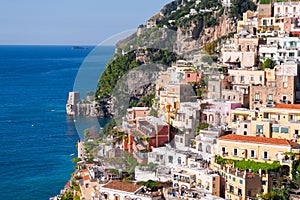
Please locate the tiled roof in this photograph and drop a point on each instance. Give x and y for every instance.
(288, 106)
(121, 186)
(257, 139)
(86, 178)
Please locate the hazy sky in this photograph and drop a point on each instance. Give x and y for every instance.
(71, 21)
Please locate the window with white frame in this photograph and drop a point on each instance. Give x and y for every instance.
(252, 153)
(265, 155)
(235, 151)
(256, 97)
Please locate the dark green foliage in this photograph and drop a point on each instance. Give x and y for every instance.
(109, 127)
(202, 126)
(265, 1)
(146, 101)
(250, 164)
(272, 196)
(201, 19)
(152, 185)
(115, 69)
(241, 6)
(268, 63)
(120, 65)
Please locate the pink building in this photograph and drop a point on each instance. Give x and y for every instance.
(191, 77)
(217, 112)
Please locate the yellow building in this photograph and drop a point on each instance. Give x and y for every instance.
(281, 121)
(257, 148)
(171, 96)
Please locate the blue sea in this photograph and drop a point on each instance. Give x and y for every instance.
(37, 138)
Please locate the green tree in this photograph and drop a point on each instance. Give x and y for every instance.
(268, 63)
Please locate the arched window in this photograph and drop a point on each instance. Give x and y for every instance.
(208, 149)
(200, 146)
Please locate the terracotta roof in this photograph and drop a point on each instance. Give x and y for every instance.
(288, 106)
(121, 186)
(257, 139)
(86, 178)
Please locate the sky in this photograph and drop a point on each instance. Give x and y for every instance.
(72, 22)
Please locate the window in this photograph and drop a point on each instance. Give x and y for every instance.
(265, 22)
(231, 189)
(188, 75)
(245, 125)
(208, 149)
(240, 193)
(214, 88)
(170, 159)
(235, 151)
(263, 182)
(291, 54)
(284, 97)
(270, 97)
(181, 140)
(200, 147)
(292, 117)
(232, 78)
(259, 129)
(179, 160)
(260, 78)
(233, 178)
(275, 129)
(223, 150)
(245, 133)
(252, 78)
(241, 181)
(284, 130)
(252, 153)
(242, 78)
(265, 154)
(266, 115)
(256, 97)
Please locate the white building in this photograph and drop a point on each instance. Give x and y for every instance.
(281, 49)
(286, 9)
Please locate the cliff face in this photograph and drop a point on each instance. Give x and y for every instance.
(188, 39)
(181, 27)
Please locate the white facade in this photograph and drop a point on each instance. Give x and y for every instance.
(281, 49)
(169, 157)
(286, 9)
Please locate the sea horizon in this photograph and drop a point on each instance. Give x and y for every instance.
(38, 139)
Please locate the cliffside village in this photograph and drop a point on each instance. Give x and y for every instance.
(238, 141)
